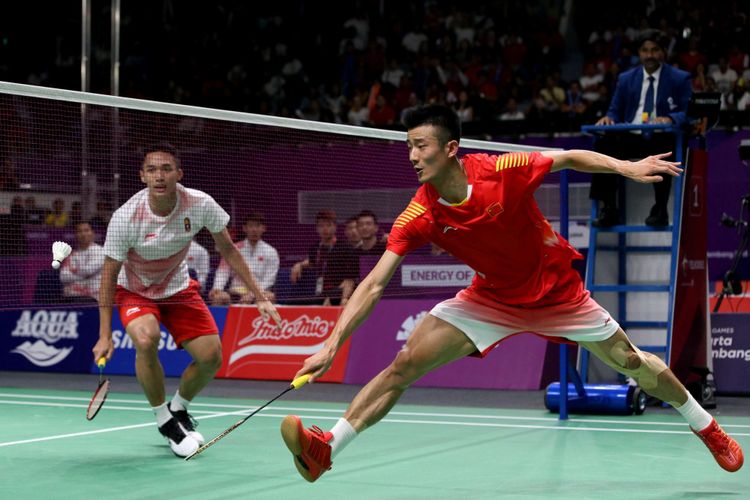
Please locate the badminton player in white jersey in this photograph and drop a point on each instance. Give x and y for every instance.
(146, 276)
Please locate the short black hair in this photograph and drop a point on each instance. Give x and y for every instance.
(437, 115)
(653, 35)
(368, 213)
(256, 217)
(163, 147)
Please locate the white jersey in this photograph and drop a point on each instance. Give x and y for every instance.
(153, 248)
(81, 272)
(198, 260)
(263, 261)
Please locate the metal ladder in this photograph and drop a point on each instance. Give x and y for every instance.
(622, 287)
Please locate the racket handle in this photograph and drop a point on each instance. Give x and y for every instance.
(300, 381)
(102, 362)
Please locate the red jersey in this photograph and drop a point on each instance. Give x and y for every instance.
(498, 231)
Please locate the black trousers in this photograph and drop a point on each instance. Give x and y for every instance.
(630, 146)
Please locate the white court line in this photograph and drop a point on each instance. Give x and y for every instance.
(245, 409)
(318, 417)
(387, 420)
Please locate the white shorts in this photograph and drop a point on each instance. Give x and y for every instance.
(580, 321)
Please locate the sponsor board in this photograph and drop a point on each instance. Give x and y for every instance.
(730, 352)
(254, 348)
(49, 339)
(447, 275)
(60, 340)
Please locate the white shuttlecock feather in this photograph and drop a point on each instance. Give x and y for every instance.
(60, 250)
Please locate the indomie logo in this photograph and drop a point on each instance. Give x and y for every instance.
(303, 326)
(49, 326)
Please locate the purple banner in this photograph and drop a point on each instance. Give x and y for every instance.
(730, 350)
(517, 364)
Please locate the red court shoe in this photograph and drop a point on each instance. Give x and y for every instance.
(726, 451)
(312, 453)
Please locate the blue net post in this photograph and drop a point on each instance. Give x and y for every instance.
(563, 347)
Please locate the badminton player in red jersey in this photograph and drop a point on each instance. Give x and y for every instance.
(480, 208)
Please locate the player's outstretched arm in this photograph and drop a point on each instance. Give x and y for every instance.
(647, 170)
(110, 271)
(233, 257)
(357, 309)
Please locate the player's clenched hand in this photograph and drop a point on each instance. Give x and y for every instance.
(103, 348)
(652, 168)
(317, 364)
(268, 310)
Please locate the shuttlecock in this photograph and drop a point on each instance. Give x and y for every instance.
(60, 250)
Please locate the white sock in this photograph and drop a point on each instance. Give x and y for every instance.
(343, 433)
(696, 416)
(178, 402)
(162, 414)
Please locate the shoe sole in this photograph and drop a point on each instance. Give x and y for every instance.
(290, 433)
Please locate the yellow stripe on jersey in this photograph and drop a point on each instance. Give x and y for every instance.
(411, 212)
(512, 160)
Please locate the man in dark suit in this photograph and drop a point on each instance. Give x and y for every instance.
(652, 92)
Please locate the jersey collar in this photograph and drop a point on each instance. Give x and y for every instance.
(449, 204)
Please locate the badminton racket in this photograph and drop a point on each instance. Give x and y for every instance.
(100, 395)
(296, 384)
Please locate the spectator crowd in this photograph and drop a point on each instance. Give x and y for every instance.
(528, 63)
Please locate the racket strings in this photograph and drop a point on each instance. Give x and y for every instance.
(98, 399)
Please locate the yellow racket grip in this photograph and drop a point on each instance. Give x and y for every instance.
(300, 381)
(102, 362)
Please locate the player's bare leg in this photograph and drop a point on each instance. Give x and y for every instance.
(146, 334)
(648, 370)
(432, 344)
(657, 379)
(206, 353)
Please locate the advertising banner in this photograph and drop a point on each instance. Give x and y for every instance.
(689, 343)
(730, 350)
(257, 349)
(517, 363)
(54, 340)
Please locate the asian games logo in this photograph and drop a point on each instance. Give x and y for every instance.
(408, 326)
(47, 327)
(276, 340)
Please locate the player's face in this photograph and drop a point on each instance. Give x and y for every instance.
(254, 231)
(160, 174)
(84, 235)
(429, 156)
(651, 56)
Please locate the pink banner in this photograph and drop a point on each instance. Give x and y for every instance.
(518, 363)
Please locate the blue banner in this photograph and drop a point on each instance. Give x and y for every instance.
(48, 340)
(60, 340)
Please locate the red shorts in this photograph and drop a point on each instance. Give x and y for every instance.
(184, 314)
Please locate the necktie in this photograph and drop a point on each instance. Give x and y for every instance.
(648, 105)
